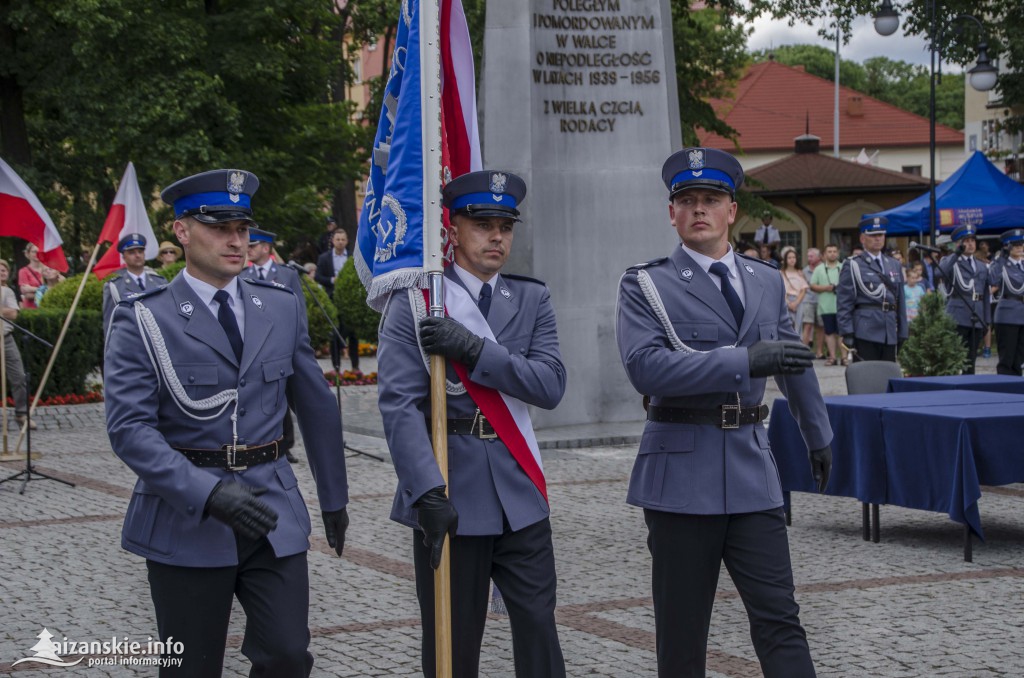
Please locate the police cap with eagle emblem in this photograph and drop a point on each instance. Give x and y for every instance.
(132, 241)
(214, 196)
(485, 194)
(707, 168)
(964, 231)
(259, 235)
(1013, 237)
(872, 225)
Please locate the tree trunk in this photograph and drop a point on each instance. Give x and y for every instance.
(13, 130)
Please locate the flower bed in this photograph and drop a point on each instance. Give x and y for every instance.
(350, 378)
(69, 399)
(367, 349)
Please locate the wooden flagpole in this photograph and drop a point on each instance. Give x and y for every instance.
(433, 263)
(57, 345)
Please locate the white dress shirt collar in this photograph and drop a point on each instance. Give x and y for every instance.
(472, 283)
(205, 292)
(729, 259)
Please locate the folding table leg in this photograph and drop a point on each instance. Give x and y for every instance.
(968, 545)
(875, 526)
(865, 522)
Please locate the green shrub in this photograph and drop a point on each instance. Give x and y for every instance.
(61, 295)
(934, 349)
(319, 330)
(350, 297)
(171, 271)
(80, 354)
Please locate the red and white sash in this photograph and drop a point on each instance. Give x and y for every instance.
(507, 415)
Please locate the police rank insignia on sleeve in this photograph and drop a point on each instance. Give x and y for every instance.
(256, 300)
(187, 308)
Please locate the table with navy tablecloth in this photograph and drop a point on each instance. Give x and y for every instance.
(929, 450)
(998, 383)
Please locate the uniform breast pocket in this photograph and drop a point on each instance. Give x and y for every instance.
(199, 379)
(697, 335)
(769, 331)
(275, 378)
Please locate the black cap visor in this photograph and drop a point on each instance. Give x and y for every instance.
(216, 214)
(485, 210)
(709, 184)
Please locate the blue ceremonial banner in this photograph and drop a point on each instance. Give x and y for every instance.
(389, 241)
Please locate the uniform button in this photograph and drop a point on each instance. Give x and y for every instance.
(241, 382)
(739, 378)
(241, 412)
(191, 379)
(661, 447)
(191, 510)
(407, 493)
(694, 334)
(282, 373)
(522, 350)
(486, 373)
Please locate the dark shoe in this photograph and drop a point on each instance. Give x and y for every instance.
(292, 459)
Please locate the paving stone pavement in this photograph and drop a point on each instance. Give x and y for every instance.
(904, 608)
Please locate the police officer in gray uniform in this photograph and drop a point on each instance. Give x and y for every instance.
(1006, 275)
(195, 384)
(134, 278)
(263, 267)
(699, 332)
(497, 513)
(968, 302)
(871, 306)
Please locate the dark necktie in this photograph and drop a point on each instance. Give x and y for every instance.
(485, 299)
(262, 276)
(229, 322)
(142, 282)
(765, 235)
(728, 291)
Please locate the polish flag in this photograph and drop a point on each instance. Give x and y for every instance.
(23, 216)
(127, 215)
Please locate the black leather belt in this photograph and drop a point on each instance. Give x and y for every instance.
(477, 426)
(885, 306)
(237, 459)
(725, 416)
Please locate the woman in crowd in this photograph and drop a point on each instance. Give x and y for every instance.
(30, 278)
(796, 284)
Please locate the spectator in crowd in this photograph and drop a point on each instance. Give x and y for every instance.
(51, 277)
(767, 235)
(748, 249)
(796, 284)
(823, 283)
(914, 290)
(30, 277)
(914, 257)
(328, 267)
(811, 333)
(12, 356)
(168, 254)
(984, 253)
(327, 237)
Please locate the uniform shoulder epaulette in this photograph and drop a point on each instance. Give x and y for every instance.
(112, 277)
(648, 264)
(273, 284)
(770, 263)
(513, 276)
(132, 297)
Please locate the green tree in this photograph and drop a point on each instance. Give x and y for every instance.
(934, 349)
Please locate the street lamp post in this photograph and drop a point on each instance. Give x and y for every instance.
(982, 77)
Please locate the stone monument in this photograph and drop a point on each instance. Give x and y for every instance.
(579, 97)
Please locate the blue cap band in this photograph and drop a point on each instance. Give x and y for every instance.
(260, 237)
(497, 199)
(130, 244)
(696, 176)
(218, 198)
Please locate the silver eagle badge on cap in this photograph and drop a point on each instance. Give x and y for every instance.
(236, 182)
(498, 181)
(696, 158)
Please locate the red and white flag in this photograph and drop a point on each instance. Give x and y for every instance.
(23, 216)
(127, 215)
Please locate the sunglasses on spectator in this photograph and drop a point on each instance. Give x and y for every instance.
(167, 252)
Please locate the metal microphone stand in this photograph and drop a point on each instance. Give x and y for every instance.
(337, 365)
(29, 473)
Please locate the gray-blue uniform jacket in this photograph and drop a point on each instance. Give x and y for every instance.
(970, 284)
(704, 469)
(279, 274)
(859, 305)
(120, 285)
(484, 480)
(1006, 274)
(165, 520)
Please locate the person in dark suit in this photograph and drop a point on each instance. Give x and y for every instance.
(699, 332)
(502, 345)
(871, 304)
(968, 303)
(263, 267)
(134, 278)
(195, 386)
(328, 267)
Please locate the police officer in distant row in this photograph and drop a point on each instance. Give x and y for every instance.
(871, 306)
(1006, 275)
(263, 267)
(968, 302)
(134, 278)
(699, 332)
(501, 337)
(197, 373)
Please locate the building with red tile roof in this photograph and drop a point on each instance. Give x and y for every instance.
(774, 103)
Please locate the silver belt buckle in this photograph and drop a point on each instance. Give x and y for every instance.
(886, 306)
(230, 451)
(726, 423)
(478, 425)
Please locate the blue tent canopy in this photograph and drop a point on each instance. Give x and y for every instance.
(977, 193)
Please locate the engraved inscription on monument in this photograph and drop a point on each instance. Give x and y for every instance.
(596, 64)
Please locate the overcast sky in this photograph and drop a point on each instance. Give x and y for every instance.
(864, 42)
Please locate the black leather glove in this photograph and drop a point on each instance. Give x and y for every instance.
(768, 358)
(450, 338)
(335, 525)
(236, 505)
(821, 466)
(960, 249)
(848, 341)
(436, 517)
